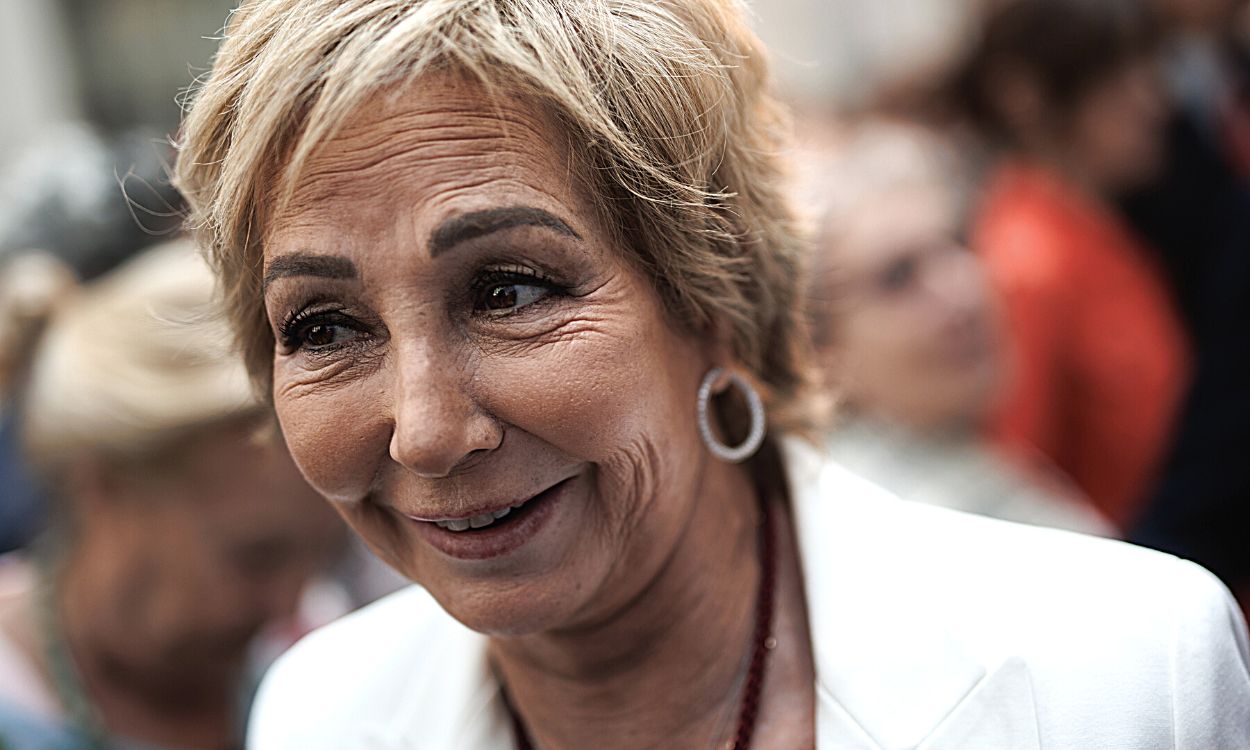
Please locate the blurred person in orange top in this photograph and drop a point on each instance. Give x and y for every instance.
(1068, 91)
(181, 527)
(908, 333)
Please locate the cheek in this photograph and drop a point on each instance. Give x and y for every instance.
(163, 578)
(884, 340)
(599, 391)
(577, 396)
(337, 437)
(620, 399)
(1114, 131)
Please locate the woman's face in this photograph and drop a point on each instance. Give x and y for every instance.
(193, 558)
(913, 331)
(1115, 134)
(458, 339)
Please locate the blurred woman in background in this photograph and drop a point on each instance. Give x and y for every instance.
(182, 528)
(1068, 90)
(902, 313)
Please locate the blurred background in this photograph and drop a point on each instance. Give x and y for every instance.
(1030, 228)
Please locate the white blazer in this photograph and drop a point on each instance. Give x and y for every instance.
(931, 629)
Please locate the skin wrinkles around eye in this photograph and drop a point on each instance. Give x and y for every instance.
(358, 350)
(575, 318)
(505, 294)
(548, 298)
(321, 328)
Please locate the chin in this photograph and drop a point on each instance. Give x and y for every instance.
(510, 608)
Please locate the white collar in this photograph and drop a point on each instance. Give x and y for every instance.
(886, 676)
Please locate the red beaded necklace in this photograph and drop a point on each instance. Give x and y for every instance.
(762, 643)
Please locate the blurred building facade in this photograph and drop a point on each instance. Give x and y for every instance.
(118, 64)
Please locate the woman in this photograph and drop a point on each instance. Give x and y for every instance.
(907, 332)
(520, 280)
(1067, 89)
(179, 531)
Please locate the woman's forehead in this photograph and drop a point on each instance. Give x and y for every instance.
(437, 147)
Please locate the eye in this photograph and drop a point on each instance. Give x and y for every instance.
(501, 292)
(322, 335)
(899, 274)
(318, 331)
(512, 296)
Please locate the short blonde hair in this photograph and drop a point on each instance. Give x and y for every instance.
(667, 104)
(131, 364)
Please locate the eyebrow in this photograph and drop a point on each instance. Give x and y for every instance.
(309, 264)
(480, 223)
(449, 234)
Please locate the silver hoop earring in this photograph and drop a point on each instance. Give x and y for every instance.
(754, 404)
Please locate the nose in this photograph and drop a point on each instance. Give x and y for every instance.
(438, 423)
(1148, 88)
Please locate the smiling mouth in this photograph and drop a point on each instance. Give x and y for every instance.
(495, 519)
(483, 521)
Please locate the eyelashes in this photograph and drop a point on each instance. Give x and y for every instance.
(318, 330)
(508, 290)
(495, 295)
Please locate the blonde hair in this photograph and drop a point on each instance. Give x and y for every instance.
(31, 282)
(130, 364)
(667, 103)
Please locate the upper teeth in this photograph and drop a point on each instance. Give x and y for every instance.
(476, 522)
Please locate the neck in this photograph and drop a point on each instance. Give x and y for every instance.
(1073, 174)
(932, 424)
(651, 675)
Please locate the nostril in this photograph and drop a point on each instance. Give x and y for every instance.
(475, 457)
(440, 453)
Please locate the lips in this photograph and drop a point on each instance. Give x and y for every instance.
(492, 533)
(480, 521)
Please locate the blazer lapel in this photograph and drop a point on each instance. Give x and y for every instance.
(458, 696)
(999, 713)
(837, 729)
(889, 674)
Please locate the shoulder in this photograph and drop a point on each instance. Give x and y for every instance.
(997, 569)
(1027, 234)
(347, 684)
(1117, 640)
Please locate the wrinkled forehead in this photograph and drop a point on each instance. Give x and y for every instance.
(440, 144)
